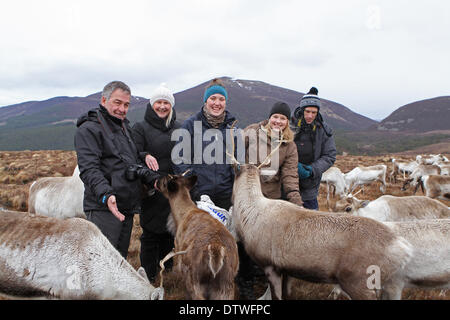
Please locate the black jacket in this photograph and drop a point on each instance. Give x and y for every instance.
(105, 149)
(323, 157)
(152, 136)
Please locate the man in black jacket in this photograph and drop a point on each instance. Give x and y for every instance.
(110, 166)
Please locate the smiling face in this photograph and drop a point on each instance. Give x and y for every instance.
(215, 105)
(162, 108)
(278, 122)
(118, 103)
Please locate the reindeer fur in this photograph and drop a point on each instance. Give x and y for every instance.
(211, 262)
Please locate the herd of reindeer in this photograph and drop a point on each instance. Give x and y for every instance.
(54, 252)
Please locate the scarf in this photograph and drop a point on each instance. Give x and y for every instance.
(214, 121)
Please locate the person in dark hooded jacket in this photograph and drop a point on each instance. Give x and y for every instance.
(110, 166)
(215, 175)
(315, 146)
(153, 140)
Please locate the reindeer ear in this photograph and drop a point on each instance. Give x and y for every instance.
(141, 272)
(364, 203)
(172, 186)
(191, 181)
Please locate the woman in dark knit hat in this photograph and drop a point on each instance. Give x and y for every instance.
(281, 174)
(279, 178)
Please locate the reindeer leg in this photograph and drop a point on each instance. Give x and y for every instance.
(275, 281)
(392, 290)
(286, 286)
(417, 187)
(358, 292)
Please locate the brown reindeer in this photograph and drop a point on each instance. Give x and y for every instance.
(211, 261)
(288, 241)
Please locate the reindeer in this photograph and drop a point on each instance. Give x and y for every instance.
(59, 197)
(436, 187)
(401, 167)
(360, 176)
(429, 267)
(391, 208)
(420, 171)
(334, 178)
(445, 168)
(425, 224)
(431, 159)
(65, 259)
(211, 261)
(288, 241)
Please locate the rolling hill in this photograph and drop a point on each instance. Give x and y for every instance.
(49, 124)
(420, 116)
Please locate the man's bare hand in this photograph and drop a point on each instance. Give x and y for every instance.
(112, 206)
(151, 162)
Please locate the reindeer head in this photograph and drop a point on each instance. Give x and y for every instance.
(246, 174)
(349, 204)
(172, 184)
(407, 184)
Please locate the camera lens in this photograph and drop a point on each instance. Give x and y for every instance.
(131, 174)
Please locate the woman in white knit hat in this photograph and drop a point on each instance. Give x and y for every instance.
(152, 138)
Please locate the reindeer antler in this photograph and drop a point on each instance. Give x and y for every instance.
(170, 255)
(184, 173)
(232, 158)
(270, 155)
(353, 195)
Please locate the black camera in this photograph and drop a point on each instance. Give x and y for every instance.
(136, 171)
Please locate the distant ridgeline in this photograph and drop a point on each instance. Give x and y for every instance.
(50, 124)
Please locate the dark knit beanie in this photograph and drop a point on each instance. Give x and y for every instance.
(310, 99)
(281, 108)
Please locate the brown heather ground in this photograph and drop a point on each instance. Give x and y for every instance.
(18, 169)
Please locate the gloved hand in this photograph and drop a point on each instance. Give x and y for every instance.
(304, 171)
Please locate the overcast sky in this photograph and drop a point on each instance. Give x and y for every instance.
(371, 56)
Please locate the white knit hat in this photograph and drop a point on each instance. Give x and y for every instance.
(162, 93)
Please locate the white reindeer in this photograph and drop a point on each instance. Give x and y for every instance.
(65, 259)
(360, 176)
(403, 168)
(59, 197)
(425, 223)
(429, 267)
(391, 208)
(431, 159)
(334, 179)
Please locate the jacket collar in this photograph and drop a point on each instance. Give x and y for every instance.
(114, 120)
